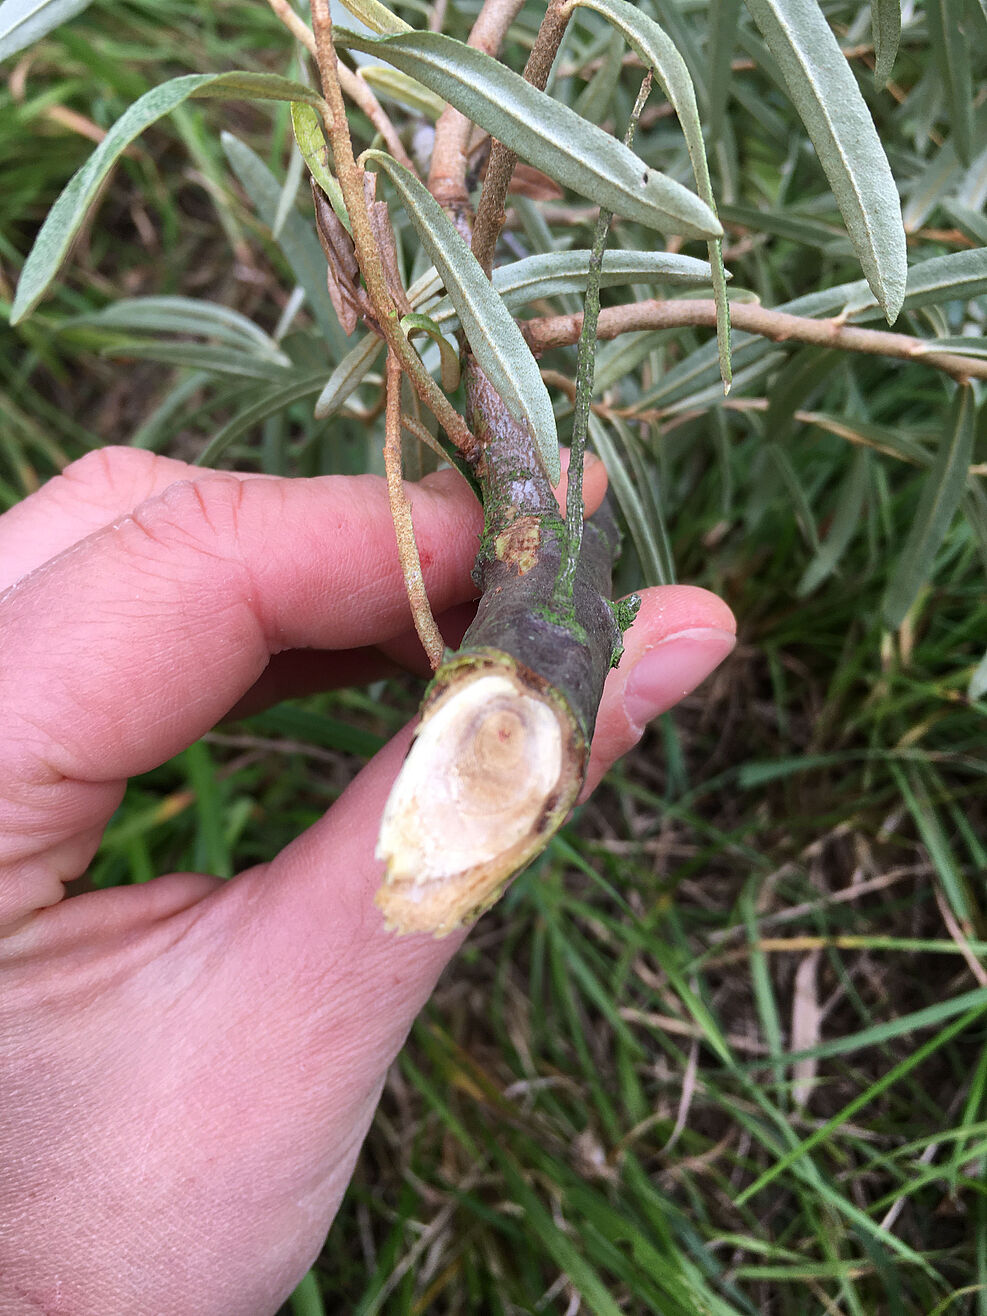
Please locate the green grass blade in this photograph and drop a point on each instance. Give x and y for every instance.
(825, 93)
(544, 132)
(862, 1099)
(271, 403)
(306, 1300)
(643, 532)
(942, 490)
(493, 336)
(567, 1255)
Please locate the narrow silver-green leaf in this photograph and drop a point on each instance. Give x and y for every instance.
(244, 84)
(66, 215)
(22, 22)
(642, 529)
(972, 222)
(825, 93)
(416, 323)
(199, 356)
(307, 127)
(393, 85)
(594, 100)
(844, 524)
(297, 239)
(659, 53)
(885, 24)
(376, 16)
(723, 18)
(185, 315)
(951, 48)
(348, 375)
(942, 491)
(555, 273)
(544, 132)
(961, 345)
(977, 688)
(272, 403)
(495, 340)
(289, 193)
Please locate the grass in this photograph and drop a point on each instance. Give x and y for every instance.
(722, 1048)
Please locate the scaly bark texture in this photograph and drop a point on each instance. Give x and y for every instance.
(501, 753)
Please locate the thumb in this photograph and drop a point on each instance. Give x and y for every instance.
(320, 926)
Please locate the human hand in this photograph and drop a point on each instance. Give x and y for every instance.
(188, 1067)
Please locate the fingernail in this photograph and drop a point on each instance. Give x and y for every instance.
(671, 670)
(590, 460)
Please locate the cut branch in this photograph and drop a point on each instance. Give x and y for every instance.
(501, 752)
(551, 331)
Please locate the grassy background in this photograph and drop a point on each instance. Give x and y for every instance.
(722, 1048)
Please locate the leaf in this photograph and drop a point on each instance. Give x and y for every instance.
(558, 272)
(569, 1257)
(416, 323)
(978, 681)
(962, 345)
(22, 22)
(951, 48)
(185, 315)
(844, 525)
(942, 490)
(542, 131)
(959, 275)
(653, 562)
(496, 341)
(390, 84)
(66, 215)
(885, 22)
(793, 388)
(723, 18)
(307, 127)
(825, 93)
(972, 222)
(375, 16)
(348, 375)
(199, 356)
(660, 55)
(297, 239)
(271, 403)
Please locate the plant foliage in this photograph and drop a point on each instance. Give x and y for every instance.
(722, 1050)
